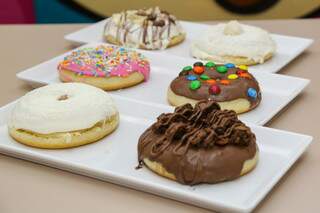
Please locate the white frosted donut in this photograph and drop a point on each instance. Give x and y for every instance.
(150, 29)
(62, 107)
(234, 43)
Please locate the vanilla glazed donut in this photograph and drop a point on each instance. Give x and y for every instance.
(151, 29)
(231, 86)
(198, 145)
(63, 115)
(105, 66)
(234, 43)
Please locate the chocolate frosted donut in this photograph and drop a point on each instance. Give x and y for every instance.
(198, 145)
(233, 87)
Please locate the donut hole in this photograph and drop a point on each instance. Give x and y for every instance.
(63, 97)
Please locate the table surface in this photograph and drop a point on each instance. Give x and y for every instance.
(35, 188)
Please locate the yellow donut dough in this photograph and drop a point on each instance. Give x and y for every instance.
(158, 168)
(111, 83)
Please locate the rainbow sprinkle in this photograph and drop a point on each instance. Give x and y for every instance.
(106, 61)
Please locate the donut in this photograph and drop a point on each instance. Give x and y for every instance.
(150, 29)
(234, 43)
(105, 66)
(197, 145)
(231, 86)
(63, 115)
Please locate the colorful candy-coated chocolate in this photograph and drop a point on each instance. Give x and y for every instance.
(232, 76)
(214, 89)
(204, 77)
(222, 69)
(229, 72)
(245, 75)
(195, 85)
(225, 82)
(243, 67)
(198, 69)
(198, 64)
(252, 93)
(230, 65)
(187, 68)
(240, 72)
(211, 81)
(210, 64)
(191, 77)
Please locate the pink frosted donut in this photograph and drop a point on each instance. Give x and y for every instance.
(105, 66)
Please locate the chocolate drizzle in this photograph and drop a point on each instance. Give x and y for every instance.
(157, 18)
(154, 22)
(199, 145)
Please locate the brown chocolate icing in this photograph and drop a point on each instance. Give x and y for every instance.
(236, 88)
(199, 145)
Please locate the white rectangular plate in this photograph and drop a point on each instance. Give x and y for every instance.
(277, 90)
(288, 47)
(114, 159)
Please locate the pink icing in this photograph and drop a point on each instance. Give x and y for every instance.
(113, 62)
(122, 69)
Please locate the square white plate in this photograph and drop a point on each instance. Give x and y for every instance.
(288, 47)
(277, 90)
(105, 160)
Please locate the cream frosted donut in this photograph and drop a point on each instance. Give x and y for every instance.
(234, 43)
(145, 28)
(62, 115)
(105, 66)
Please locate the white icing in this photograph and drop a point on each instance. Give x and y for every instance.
(40, 111)
(132, 28)
(233, 39)
(232, 28)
